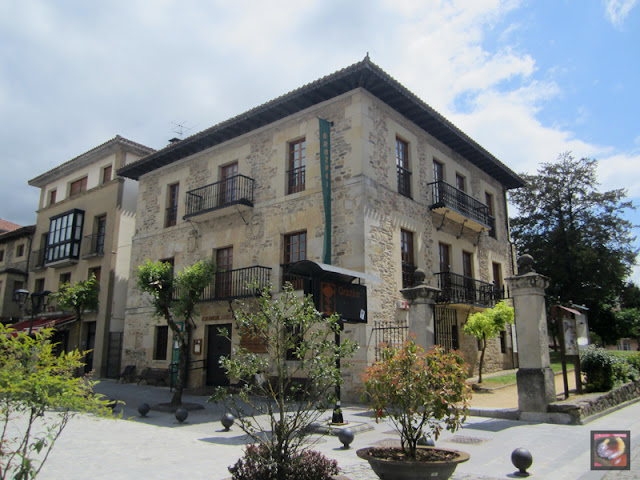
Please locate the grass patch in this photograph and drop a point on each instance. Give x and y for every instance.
(506, 379)
(510, 378)
(622, 353)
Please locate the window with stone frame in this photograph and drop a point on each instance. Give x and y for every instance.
(106, 173)
(160, 343)
(296, 340)
(171, 215)
(295, 249)
(52, 196)
(18, 285)
(491, 209)
(39, 285)
(78, 186)
(402, 167)
(2, 255)
(224, 275)
(408, 260)
(296, 169)
(20, 250)
(64, 278)
(97, 271)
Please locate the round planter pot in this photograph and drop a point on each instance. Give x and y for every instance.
(413, 470)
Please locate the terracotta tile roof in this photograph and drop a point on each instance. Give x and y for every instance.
(7, 226)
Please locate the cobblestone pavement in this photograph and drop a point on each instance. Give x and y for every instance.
(158, 447)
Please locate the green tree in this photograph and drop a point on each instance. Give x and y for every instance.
(577, 235)
(174, 297)
(292, 377)
(79, 298)
(488, 324)
(39, 394)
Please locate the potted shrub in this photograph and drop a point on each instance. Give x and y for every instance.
(422, 393)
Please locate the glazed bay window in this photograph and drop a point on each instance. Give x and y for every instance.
(65, 235)
(296, 166)
(402, 167)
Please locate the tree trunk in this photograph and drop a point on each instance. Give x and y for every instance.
(484, 348)
(183, 362)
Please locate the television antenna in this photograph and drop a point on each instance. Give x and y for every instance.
(180, 128)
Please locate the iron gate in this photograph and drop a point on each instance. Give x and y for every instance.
(388, 334)
(446, 328)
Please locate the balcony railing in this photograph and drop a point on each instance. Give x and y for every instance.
(466, 290)
(404, 181)
(93, 245)
(296, 180)
(234, 190)
(444, 195)
(36, 261)
(234, 284)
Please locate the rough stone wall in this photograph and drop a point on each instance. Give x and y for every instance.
(367, 214)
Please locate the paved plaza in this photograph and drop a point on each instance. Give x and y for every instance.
(158, 447)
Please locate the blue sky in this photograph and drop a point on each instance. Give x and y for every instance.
(527, 79)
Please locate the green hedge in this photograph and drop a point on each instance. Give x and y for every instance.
(604, 370)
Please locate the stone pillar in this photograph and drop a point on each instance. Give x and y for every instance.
(421, 298)
(535, 379)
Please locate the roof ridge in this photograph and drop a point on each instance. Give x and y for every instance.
(114, 140)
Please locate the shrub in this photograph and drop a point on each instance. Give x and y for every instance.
(420, 392)
(634, 361)
(257, 464)
(597, 365)
(623, 372)
(604, 370)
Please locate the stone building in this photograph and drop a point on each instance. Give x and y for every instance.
(85, 221)
(407, 188)
(15, 245)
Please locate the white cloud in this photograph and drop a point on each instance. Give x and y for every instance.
(617, 10)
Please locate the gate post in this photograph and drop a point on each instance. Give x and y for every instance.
(535, 379)
(421, 299)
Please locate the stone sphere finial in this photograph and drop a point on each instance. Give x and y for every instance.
(525, 264)
(419, 276)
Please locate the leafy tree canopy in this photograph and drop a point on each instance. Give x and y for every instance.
(488, 324)
(39, 394)
(173, 296)
(577, 235)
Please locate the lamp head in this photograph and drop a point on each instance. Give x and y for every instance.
(20, 296)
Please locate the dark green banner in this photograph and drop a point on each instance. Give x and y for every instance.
(325, 169)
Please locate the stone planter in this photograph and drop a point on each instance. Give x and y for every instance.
(413, 470)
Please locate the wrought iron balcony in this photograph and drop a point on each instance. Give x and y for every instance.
(234, 284)
(459, 289)
(459, 206)
(93, 245)
(235, 190)
(36, 261)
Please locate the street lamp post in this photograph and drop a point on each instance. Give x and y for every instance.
(39, 301)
